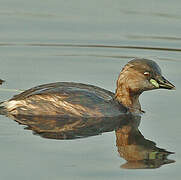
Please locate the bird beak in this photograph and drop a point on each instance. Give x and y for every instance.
(165, 84)
(161, 82)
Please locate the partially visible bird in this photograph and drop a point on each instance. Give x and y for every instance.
(1, 81)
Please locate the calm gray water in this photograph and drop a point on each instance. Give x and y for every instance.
(89, 42)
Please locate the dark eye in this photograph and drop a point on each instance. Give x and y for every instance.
(146, 73)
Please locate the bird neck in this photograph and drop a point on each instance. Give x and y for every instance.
(125, 96)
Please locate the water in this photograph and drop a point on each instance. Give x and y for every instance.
(82, 41)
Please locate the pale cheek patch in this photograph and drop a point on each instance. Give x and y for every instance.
(154, 82)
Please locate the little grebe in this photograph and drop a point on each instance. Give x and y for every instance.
(81, 100)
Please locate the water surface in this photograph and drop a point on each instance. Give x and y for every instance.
(88, 42)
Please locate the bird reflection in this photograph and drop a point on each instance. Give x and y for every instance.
(140, 153)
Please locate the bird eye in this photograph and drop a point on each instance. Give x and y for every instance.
(146, 73)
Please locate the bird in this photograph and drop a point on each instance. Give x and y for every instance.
(72, 99)
(1, 81)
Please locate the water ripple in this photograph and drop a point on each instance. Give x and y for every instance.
(93, 46)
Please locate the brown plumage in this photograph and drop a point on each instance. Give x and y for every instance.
(81, 100)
